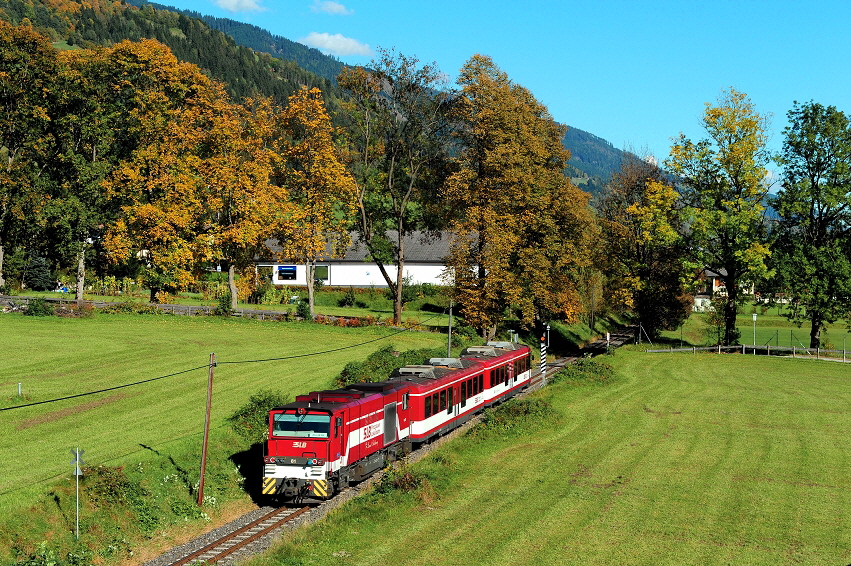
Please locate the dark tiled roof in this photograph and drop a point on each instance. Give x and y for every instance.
(419, 248)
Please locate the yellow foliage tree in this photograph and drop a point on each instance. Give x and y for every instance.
(322, 192)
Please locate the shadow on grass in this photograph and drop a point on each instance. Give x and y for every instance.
(250, 465)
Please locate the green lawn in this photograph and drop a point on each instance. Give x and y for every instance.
(54, 357)
(771, 328)
(684, 459)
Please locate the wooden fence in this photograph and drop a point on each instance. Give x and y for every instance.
(766, 350)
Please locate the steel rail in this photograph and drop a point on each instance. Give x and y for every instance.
(267, 523)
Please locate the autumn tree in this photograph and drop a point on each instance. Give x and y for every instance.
(320, 189)
(813, 246)
(521, 228)
(203, 191)
(722, 184)
(395, 110)
(28, 69)
(197, 185)
(641, 251)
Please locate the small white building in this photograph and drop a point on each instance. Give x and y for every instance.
(424, 263)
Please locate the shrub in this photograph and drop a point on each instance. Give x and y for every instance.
(303, 310)
(37, 276)
(348, 299)
(519, 415)
(223, 306)
(128, 306)
(251, 421)
(39, 307)
(400, 478)
(381, 363)
(586, 370)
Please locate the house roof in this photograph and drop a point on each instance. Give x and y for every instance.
(420, 247)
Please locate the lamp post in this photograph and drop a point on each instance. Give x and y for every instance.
(754, 332)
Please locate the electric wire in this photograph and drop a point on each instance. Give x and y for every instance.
(206, 366)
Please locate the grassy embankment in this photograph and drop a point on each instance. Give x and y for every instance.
(152, 430)
(681, 460)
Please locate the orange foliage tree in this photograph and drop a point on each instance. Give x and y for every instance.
(321, 190)
(198, 186)
(522, 229)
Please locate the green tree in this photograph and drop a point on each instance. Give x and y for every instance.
(814, 240)
(522, 230)
(722, 184)
(641, 252)
(397, 135)
(28, 69)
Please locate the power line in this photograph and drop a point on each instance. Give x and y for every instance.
(217, 363)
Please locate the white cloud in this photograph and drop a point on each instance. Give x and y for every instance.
(330, 7)
(240, 5)
(336, 44)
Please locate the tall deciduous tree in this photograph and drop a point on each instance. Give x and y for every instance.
(27, 72)
(203, 194)
(722, 182)
(396, 110)
(641, 251)
(814, 244)
(320, 188)
(521, 228)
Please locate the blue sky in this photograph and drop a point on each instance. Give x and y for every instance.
(634, 72)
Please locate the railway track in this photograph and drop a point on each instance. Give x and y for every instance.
(236, 539)
(232, 542)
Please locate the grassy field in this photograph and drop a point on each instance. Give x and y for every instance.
(54, 357)
(683, 459)
(771, 328)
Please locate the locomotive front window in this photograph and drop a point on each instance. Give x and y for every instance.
(310, 426)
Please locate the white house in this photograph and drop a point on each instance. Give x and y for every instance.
(424, 263)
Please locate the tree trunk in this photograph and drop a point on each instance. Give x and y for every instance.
(397, 298)
(234, 292)
(816, 324)
(153, 296)
(81, 273)
(731, 335)
(310, 276)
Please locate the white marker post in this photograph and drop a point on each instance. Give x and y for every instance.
(77, 462)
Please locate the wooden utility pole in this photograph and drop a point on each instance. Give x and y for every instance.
(206, 430)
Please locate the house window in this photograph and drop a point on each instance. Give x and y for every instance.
(286, 273)
(322, 273)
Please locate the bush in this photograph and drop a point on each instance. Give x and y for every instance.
(223, 306)
(251, 421)
(586, 370)
(39, 307)
(348, 299)
(38, 276)
(519, 415)
(302, 310)
(400, 478)
(129, 306)
(380, 364)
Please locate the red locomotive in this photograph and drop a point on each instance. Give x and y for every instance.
(325, 440)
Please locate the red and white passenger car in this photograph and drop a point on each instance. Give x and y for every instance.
(327, 439)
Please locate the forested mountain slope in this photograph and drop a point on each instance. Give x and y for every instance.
(263, 41)
(103, 22)
(246, 58)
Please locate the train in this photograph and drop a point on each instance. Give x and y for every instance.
(327, 440)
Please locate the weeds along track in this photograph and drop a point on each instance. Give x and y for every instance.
(254, 532)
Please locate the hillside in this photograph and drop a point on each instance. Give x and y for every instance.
(102, 23)
(260, 40)
(248, 59)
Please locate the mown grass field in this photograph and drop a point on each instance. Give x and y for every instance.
(683, 459)
(54, 357)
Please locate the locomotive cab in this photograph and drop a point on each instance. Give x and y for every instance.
(297, 462)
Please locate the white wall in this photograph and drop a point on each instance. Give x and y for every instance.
(363, 274)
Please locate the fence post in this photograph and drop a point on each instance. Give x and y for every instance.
(743, 348)
(694, 349)
(818, 353)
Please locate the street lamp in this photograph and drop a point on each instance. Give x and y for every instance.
(754, 331)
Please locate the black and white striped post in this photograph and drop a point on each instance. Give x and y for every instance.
(545, 340)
